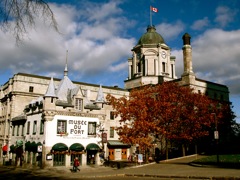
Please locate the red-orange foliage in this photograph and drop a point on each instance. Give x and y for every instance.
(167, 109)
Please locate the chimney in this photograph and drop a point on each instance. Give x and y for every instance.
(187, 55)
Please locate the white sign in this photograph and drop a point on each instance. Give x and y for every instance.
(140, 158)
(39, 148)
(76, 127)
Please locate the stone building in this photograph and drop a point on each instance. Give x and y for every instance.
(152, 63)
(54, 120)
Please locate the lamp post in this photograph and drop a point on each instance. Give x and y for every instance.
(216, 135)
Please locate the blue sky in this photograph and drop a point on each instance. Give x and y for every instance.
(99, 36)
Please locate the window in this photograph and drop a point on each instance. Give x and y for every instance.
(30, 88)
(42, 127)
(18, 130)
(61, 126)
(23, 130)
(112, 115)
(111, 132)
(13, 129)
(172, 70)
(78, 104)
(91, 128)
(163, 67)
(34, 127)
(28, 127)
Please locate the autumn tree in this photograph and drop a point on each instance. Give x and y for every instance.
(169, 110)
(22, 14)
(227, 128)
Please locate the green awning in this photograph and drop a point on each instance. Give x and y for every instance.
(27, 146)
(117, 144)
(39, 143)
(33, 146)
(60, 147)
(12, 148)
(76, 147)
(93, 147)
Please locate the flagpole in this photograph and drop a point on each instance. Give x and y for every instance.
(150, 15)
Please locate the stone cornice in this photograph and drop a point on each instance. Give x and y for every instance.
(48, 114)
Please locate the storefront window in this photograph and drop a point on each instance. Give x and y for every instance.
(59, 160)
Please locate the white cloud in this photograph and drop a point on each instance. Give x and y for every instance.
(216, 57)
(200, 24)
(95, 46)
(170, 30)
(119, 67)
(102, 11)
(225, 15)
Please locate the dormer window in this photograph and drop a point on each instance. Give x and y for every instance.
(78, 104)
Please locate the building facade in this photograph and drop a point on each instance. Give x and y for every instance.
(51, 121)
(58, 120)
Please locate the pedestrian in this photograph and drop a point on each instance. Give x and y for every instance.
(76, 164)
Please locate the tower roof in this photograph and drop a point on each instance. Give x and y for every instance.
(151, 37)
(100, 96)
(51, 89)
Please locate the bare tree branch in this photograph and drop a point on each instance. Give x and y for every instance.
(23, 14)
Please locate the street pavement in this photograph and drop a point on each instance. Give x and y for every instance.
(171, 169)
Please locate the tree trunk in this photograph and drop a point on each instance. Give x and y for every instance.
(183, 150)
(166, 150)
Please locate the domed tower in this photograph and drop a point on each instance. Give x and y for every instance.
(151, 62)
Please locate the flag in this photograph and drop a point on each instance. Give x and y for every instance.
(154, 9)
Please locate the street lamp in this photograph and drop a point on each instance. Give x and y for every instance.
(216, 135)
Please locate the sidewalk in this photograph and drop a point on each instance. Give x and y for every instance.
(172, 169)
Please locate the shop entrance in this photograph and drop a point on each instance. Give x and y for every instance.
(92, 150)
(111, 154)
(91, 157)
(124, 154)
(59, 150)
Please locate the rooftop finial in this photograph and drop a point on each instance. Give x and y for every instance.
(66, 69)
